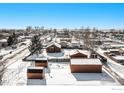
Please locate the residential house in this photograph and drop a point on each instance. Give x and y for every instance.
(53, 48)
(78, 54)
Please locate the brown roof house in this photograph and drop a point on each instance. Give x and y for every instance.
(78, 54)
(53, 48)
(86, 65)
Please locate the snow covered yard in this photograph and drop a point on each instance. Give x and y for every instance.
(16, 69)
(60, 74)
(15, 74)
(116, 67)
(57, 73)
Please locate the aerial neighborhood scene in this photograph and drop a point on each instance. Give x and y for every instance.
(62, 44)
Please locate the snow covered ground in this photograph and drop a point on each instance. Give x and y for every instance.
(116, 67)
(61, 75)
(55, 74)
(15, 67)
(58, 74)
(5, 51)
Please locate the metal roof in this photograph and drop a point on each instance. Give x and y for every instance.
(33, 58)
(87, 61)
(30, 67)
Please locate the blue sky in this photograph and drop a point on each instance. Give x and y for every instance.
(70, 15)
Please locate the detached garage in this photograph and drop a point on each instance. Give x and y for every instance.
(38, 61)
(35, 73)
(86, 66)
(41, 62)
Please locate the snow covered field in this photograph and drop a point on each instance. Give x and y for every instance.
(59, 74)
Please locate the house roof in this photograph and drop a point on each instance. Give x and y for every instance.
(3, 40)
(75, 41)
(54, 43)
(76, 51)
(86, 61)
(35, 57)
(119, 57)
(117, 45)
(30, 67)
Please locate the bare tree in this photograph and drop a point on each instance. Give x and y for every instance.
(94, 35)
(77, 35)
(86, 37)
(90, 38)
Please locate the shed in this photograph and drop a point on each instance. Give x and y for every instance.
(35, 73)
(39, 61)
(86, 66)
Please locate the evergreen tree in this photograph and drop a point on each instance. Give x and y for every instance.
(12, 40)
(36, 45)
